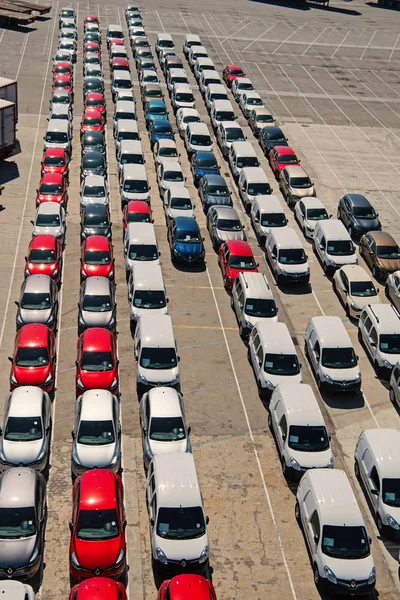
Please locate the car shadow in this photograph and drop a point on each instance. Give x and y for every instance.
(344, 401)
(194, 268)
(299, 289)
(159, 578)
(8, 171)
(15, 26)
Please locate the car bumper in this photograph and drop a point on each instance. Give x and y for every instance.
(37, 465)
(339, 387)
(113, 572)
(78, 469)
(23, 573)
(179, 567)
(142, 388)
(345, 589)
(189, 259)
(46, 388)
(290, 278)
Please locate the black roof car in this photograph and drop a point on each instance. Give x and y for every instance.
(358, 215)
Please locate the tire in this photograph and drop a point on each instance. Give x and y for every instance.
(261, 241)
(392, 396)
(387, 291)
(317, 579)
(347, 310)
(297, 513)
(374, 272)
(241, 330)
(269, 421)
(356, 470)
(338, 214)
(380, 525)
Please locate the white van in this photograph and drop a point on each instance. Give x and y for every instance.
(242, 154)
(124, 110)
(130, 152)
(164, 40)
(266, 212)
(182, 96)
(379, 331)
(58, 135)
(221, 110)
(334, 530)
(174, 500)
(201, 64)
(215, 91)
(120, 80)
(126, 130)
(196, 52)
(286, 256)
(146, 291)
(252, 301)
(156, 353)
(253, 183)
(273, 356)
(176, 76)
(333, 245)
(134, 184)
(299, 429)
(140, 245)
(189, 41)
(208, 77)
(377, 466)
(197, 138)
(332, 356)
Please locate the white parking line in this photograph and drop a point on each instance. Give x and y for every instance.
(262, 35)
(288, 38)
(161, 23)
(217, 37)
(316, 39)
(385, 82)
(368, 45)
(343, 40)
(233, 34)
(183, 19)
(352, 71)
(394, 47)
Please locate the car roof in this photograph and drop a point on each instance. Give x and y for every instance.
(172, 165)
(124, 105)
(335, 497)
(331, 332)
(43, 241)
(225, 212)
(256, 174)
(244, 147)
(164, 36)
(134, 146)
(37, 284)
(127, 125)
(98, 489)
(200, 128)
(182, 87)
(192, 37)
(157, 330)
(97, 338)
(251, 94)
(152, 86)
(54, 151)
(94, 180)
(382, 238)
(261, 110)
(95, 95)
(18, 487)
(164, 402)
(148, 276)
(166, 143)
(176, 480)
(97, 242)
(161, 124)
(178, 71)
(96, 136)
(187, 223)
(217, 88)
(138, 206)
(223, 105)
(358, 200)
(312, 202)
(135, 171)
(295, 171)
(229, 124)
(286, 237)
(96, 285)
(188, 112)
(26, 400)
(269, 204)
(15, 590)
(97, 405)
(285, 150)
(234, 67)
(356, 273)
(301, 404)
(239, 247)
(92, 155)
(385, 445)
(33, 335)
(275, 336)
(49, 208)
(57, 125)
(198, 49)
(156, 102)
(52, 178)
(333, 228)
(141, 233)
(180, 191)
(255, 285)
(386, 316)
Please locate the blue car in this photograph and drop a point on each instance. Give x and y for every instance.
(203, 163)
(213, 191)
(185, 241)
(160, 130)
(155, 110)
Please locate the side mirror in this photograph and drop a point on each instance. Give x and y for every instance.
(203, 239)
(189, 429)
(377, 214)
(136, 358)
(256, 220)
(124, 523)
(152, 522)
(71, 527)
(257, 264)
(10, 358)
(207, 520)
(374, 492)
(179, 358)
(76, 363)
(167, 300)
(330, 216)
(284, 437)
(16, 303)
(37, 190)
(373, 344)
(32, 222)
(73, 434)
(316, 539)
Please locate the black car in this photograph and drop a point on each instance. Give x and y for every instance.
(358, 215)
(146, 64)
(95, 220)
(93, 163)
(271, 137)
(93, 84)
(93, 141)
(92, 36)
(213, 191)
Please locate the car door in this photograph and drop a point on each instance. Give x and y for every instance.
(366, 330)
(315, 355)
(366, 247)
(284, 183)
(344, 286)
(313, 532)
(224, 259)
(282, 433)
(273, 257)
(258, 363)
(300, 212)
(214, 224)
(346, 212)
(394, 292)
(395, 385)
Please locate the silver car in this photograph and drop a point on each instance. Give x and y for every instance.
(49, 219)
(97, 433)
(94, 190)
(25, 437)
(97, 307)
(177, 203)
(23, 517)
(38, 301)
(223, 224)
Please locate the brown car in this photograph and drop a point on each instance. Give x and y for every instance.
(381, 253)
(172, 62)
(151, 91)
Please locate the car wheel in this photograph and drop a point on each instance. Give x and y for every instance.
(379, 524)
(317, 579)
(356, 469)
(225, 283)
(374, 272)
(338, 213)
(269, 421)
(261, 240)
(392, 396)
(249, 355)
(387, 292)
(241, 333)
(347, 311)
(284, 466)
(297, 513)
(359, 335)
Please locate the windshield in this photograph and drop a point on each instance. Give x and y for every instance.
(200, 140)
(97, 361)
(242, 262)
(97, 524)
(389, 343)
(97, 303)
(179, 79)
(338, 358)
(391, 492)
(287, 159)
(95, 121)
(166, 44)
(273, 220)
(150, 78)
(59, 100)
(364, 212)
(207, 163)
(57, 137)
(247, 161)
(149, 299)
(167, 429)
(54, 161)
(137, 186)
(389, 252)
(23, 429)
(184, 523)
(234, 134)
(96, 433)
(94, 191)
(164, 128)
(181, 203)
(17, 522)
(258, 189)
(292, 256)
(50, 189)
(300, 182)
(308, 438)
(42, 256)
(345, 542)
(158, 358)
(97, 257)
(98, 220)
(340, 247)
(317, 214)
(167, 152)
(224, 115)
(63, 70)
(94, 102)
(157, 110)
(254, 102)
(153, 93)
(260, 307)
(35, 301)
(229, 225)
(138, 217)
(132, 159)
(245, 86)
(48, 220)
(362, 288)
(191, 119)
(281, 364)
(93, 163)
(218, 96)
(173, 176)
(143, 252)
(128, 135)
(184, 97)
(125, 115)
(124, 84)
(217, 190)
(188, 237)
(236, 72)
(32, 357)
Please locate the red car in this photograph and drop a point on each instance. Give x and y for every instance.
(63, 82)
(91, 19)
(98, 545)
(232, 72)
(97, 257)
(53, 187)
(137, 211)
(93, 47)
(34, 358)
(280, 157)
(55, 162)
(98, 588)
(116, 42)
(119, 64)
(62, 69)
(92, 120)
(96, 101)
(234, 257)
(44, 257)
(185, 587)
(97, 362)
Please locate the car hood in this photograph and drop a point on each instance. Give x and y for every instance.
(136, 196)
(98, 270)
(96, 230)
(391, 358)
(218, 200)
(303, 192)
(367, 224)
(21, 452)
(145, 311)
(233, 273)
(188, 249)
(31, 375)
(99, 554)
(96, 319)
(182, 549)
(345, 569)
(362, 301)
(344, 260)
(160, 376)
(343, 374)
(162, 136)
(390, 265)
(168, 447)
(35, 316)
(173, 213)
(151, 117)
(91, 200)
(207, 148)
(57, 231)
(224, 236)
(94, 456)
(16, 553)
(311, 460)
(97, 380)
(279, 379)
(302, 268)
(41, 269)
(201, 172)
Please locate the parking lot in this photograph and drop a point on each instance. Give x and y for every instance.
(331, 79)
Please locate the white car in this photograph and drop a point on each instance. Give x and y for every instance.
(355, 289)
(165, 151)
(184, 116)
(169, 174)
(307, 212)
(147, 76)
(11, 589)
(49, 219)
(126, 95)
(240, 86)
(94, 190)
(97, 432)
(227, 133)
(177, 203)
(25, 436)
(62, 56)
(248, 101)
(392, 289)
(163, 423)
(93, 70)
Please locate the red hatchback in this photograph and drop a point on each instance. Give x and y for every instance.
(280, 157)
(93, 47)
(52, 188)
(187, 587)
(119, 64)
(44, 257)
(63, 82)
(92, 120)
(34, 358)
(55, 162)
(98, 588)
(63, 69)
(235, 257)
(91, 19)
(232, 72)
(97, 257)
(96, 101)
(98, 545)
(137, 211)
(97, 361)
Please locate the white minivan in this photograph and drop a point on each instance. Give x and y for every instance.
(266, 212)
(333, 245)
(146, 291)
(140, 245)
(241, 154)
(252, 301)
(286, 256)
(253, 183)
(134, 184)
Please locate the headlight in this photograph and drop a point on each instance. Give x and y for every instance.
(327, 378)
(354, 306)
(41, 454)
(111, 274)
(248, 324)
(48, 379)
(114, 383)
(34, 556)
(358, 378)
(329, 574)
(307, 271)
(55, 272)
(80, 384)
(74, 561)
(13, 379)
(50, 319)
(142, 379)
(112, 321)
(27, 272)
(282, 271)
(269, 384)
(330, 262)
(175, 379)
(204, 555)
(330, 463)
(19, 319)
(81, 320)
(83, 274)
(294, 464)
(386, 363)
(372, 576)
(120, 558)
(392, 522)
(161, 556)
